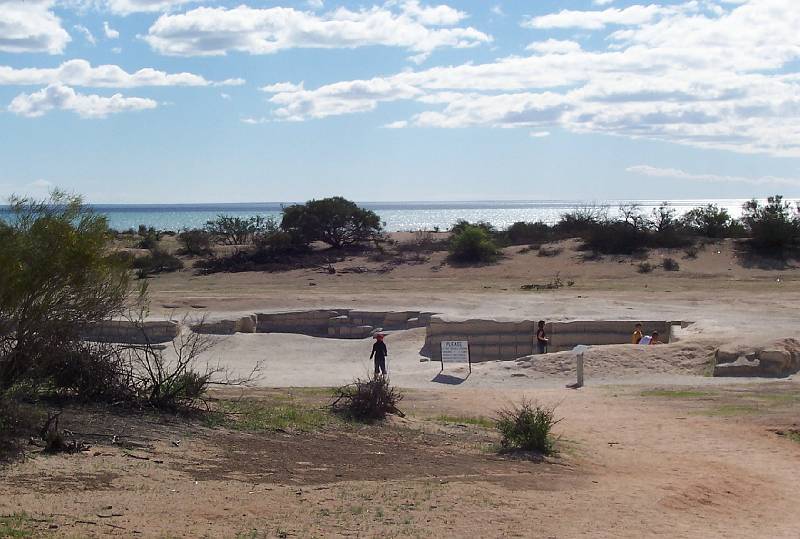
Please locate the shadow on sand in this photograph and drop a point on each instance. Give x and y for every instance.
(448, 379)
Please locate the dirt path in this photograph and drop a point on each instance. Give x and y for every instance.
(630, 466)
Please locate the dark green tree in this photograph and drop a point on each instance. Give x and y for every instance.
(335, 221)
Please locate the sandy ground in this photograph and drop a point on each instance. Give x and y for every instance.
(650, 447)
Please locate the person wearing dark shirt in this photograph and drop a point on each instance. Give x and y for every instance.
(379, 352)
(541, 338)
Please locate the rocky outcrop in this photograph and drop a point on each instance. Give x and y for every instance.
(775, 359)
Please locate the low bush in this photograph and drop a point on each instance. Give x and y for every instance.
(368, 399)
(463, 224)
(691, 253)
(644, 267)
(527, 427)
(522, 233)
(195, 242)
(550, 251)
(670, 264)
(231, 230)
(615, 237)
(473, 244)
(148, 237)
(157, 261)
(580, 220)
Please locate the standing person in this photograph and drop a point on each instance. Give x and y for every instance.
(379, 352)
(637, 334)
(541, 338)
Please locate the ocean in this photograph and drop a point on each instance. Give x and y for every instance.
(397, 216)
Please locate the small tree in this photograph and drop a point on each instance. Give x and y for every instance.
(335, 221)
(773, 226)
(56, 277)
(709, 221)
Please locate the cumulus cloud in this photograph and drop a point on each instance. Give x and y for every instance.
(81, 73)
(110, 32)
(213, 31)
(31, 26)
(694, 74)
(647, 170)
(59, 97)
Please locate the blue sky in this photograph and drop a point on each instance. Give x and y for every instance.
(400, 99)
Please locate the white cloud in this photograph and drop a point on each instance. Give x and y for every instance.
(540, 134)
(225, 96)
(87, 35)
(602, 2)
(497, 9)
(281, 87)
(595, 20)
(110, 32)
(647, 170)
(254, 121)
(554, 46)
(60, 97)
(81, 73)
(400, 124)
(689, 74)
(315, 4)
(441, 15)
(208, 31)
(30, 26)
(126, 7)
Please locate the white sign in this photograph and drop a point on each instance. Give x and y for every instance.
(455, 352)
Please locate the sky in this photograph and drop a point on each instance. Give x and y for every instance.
(184, 101)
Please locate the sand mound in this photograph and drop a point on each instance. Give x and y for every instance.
(688, 358)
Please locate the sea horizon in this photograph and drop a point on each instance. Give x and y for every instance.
(396, 215)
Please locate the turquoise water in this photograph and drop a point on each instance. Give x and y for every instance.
(397, 216)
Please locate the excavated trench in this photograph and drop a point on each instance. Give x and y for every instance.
(489, 340)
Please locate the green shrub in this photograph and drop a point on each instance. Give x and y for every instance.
(367, 400)
(231, 230)
(527, 427)
(522, 233)
(773, 227)
(335, 221)
(473, 244)
(644, 267)
(157, 261)
(148, 237)
(55, 278)
(196, 242)
(463, 224)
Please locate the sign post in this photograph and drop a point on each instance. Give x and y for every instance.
(456, 352)
(579, 350)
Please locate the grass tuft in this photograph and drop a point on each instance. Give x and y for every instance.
(263, 416)
(484, 422)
